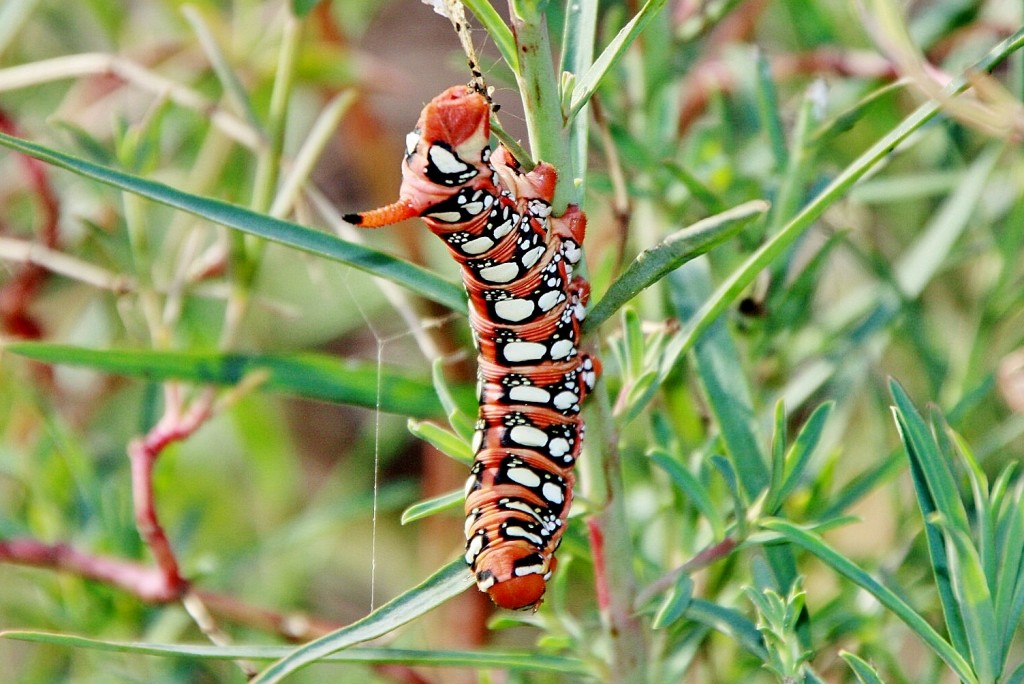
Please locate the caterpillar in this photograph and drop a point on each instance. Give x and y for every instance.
(525, 309)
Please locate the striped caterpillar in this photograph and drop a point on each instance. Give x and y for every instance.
(525, 310)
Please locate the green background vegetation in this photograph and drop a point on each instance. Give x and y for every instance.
(802, 459)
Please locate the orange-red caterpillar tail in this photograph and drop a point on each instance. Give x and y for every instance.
(384, 216)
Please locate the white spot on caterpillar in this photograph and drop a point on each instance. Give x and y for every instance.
(552, 493)
(478, 245)
(502, 230)
(478, 440)
(516, 531)
(540, 209)
(565, 400)
(524, 476)
(549, 299)
(528, 570)
(446, 216)
(445, 161)
(473, 549)
(524, 351)
(562, 349)
(470, 519)
(502, 273)
(470, 483)
(486, 583)
(572, 252)
(527, 435)
(531, 257)
(474, 208)
(513, 505)
(532, 395)
(411, 141)
(514, 310)
(558, 447)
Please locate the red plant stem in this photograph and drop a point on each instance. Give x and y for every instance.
(600, 572)
(148, 584)
(17, 294)
(145, 582)
(143, 454)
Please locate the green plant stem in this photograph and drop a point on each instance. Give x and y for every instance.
(549, 141)
(247, 252)
(542, 104)
(617, 586)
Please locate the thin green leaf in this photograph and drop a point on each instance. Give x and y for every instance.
(448, 443)
(429, 507)
(866, 674)
(695, 492)
(676, 602)
(654, 263)
(725, 382)
(496, 29)
(446, 583)
(580, 28)
(1009, 594)
(587, 85)
(768, 110)
(729, 622)
(936, 492)
(316, 376)
(972, 592)
(229, 80)
(416, 279)
(778, 456)
(798, 456)
(839, 563)
(701, 192)
(514, 660)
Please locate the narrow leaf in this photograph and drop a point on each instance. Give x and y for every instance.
(675, 604)
(866, 674)
(446, 442)
(429, 507)
(936, 492)
(799, 454)
(656, 262)
(316, 376)
(587, 85)
(816, 545)
(416, 279)
(729, 622)
(971, 589)
(449, 581)
(695, 492)
(514, 660)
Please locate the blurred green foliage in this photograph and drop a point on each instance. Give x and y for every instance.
(778, 504)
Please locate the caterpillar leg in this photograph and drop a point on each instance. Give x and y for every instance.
(537, 184)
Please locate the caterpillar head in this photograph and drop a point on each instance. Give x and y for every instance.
(450, 144)
(448, 150)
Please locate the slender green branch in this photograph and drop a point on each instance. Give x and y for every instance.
(538, 86)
